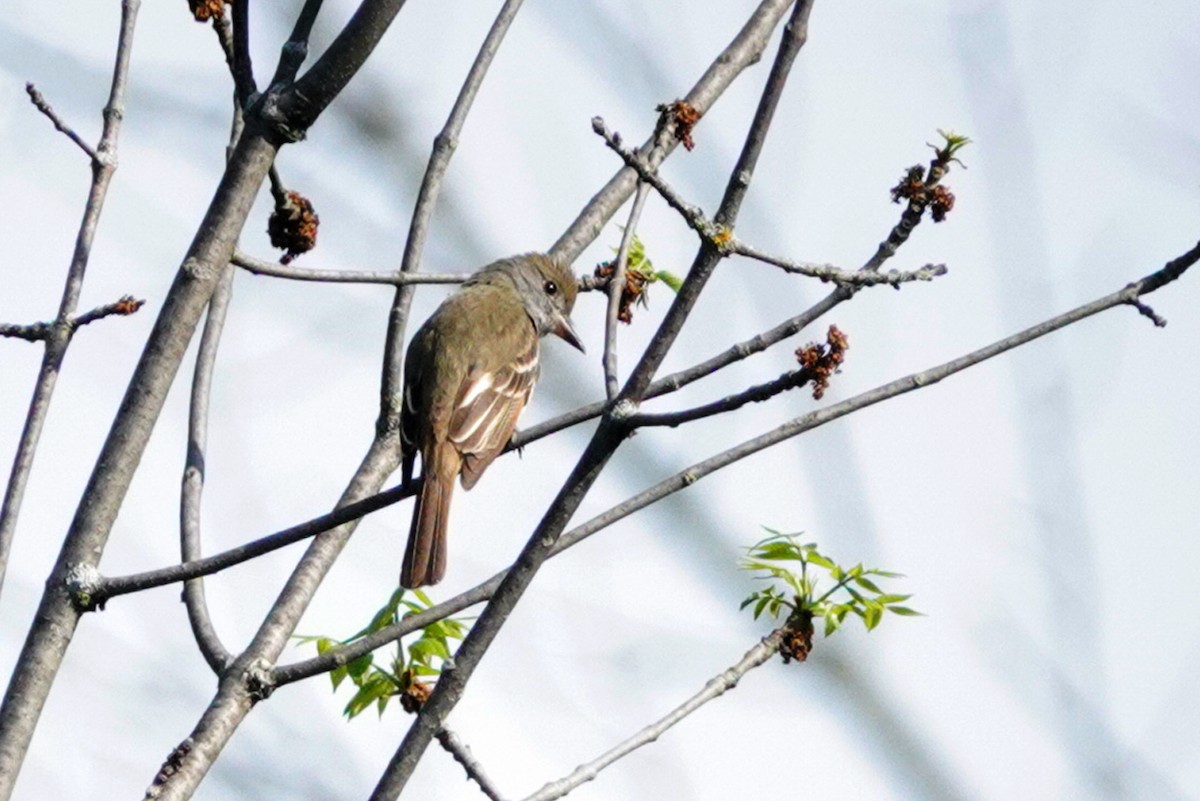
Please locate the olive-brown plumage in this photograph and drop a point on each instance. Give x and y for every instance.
(469, 372)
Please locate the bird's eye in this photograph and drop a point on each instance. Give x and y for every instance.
(550, 287)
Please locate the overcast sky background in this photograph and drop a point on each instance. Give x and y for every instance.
(1043, 505)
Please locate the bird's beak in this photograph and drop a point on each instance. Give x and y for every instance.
(566, 330)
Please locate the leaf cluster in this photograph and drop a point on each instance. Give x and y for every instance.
(793, 593)
(421, 658)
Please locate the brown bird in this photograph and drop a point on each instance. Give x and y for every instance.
(469, 372)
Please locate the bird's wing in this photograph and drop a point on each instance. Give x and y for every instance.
(486, 411)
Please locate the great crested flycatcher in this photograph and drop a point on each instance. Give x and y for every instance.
(469, 372)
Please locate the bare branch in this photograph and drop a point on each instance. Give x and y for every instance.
(241, 65)
(38, 100)
(616, 288)
(38, 663)
(277, 270)
(124, 307)
(32, 332)
(795, 33)
(192, 487)
(727, 243)
(206, 566)
(754, 394)
(744, 50)
(829, 272)
(715, 688)
(463, 756)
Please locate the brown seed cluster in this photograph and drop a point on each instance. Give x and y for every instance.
(822, 361)
(293, 225)
(941, 202)
(635, 286)
(685, 116)
(204, 10)
(128, 304)
(415, 695)
(797, 637)
(911, 186)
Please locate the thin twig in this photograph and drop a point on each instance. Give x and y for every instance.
(795, 34)
(444, 145)
(616, 288)
(40, 102)
(754, 394)
(713, 689)
(136, 582)
(685, 478)
(295, 50)
(744, 50)
(58, 337)
(192, 486)
(830, 272)
(45, 331)
(242, 65)
(727, 243)
(277, 270)
(463, 756)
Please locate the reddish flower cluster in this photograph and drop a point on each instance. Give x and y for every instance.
(204, 10)
(128, 305)
(293, 226)
(415, 695)
(797, 637)
(685, 116)
(822, 361)
(635, 285)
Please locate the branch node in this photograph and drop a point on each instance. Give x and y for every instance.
(83, 583)
(259, 679)
(623, 409)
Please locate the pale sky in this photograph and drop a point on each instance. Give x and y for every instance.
(1042, 505)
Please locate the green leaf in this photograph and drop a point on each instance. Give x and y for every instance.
(817, 559)
(866, 583)
(670, 279)
(891, 599)
(905, 611)
(832, 622)
(357, 667)
(872, 615)
(338, 675)
(377, 685)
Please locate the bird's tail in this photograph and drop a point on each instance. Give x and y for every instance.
(425, 556)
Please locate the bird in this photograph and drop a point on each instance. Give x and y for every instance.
(468, 374)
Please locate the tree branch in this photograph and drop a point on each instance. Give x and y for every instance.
(744, 50)
(715, 688)
(192, 486)
(463, 756)
(616, 288)
(38, 663)
(727, 243)
(115, 586)
(277, 270)
(43, 106)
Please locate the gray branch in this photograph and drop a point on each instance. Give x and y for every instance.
(713, 689)
(42, 654)
(192, 486)
(277, 270)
